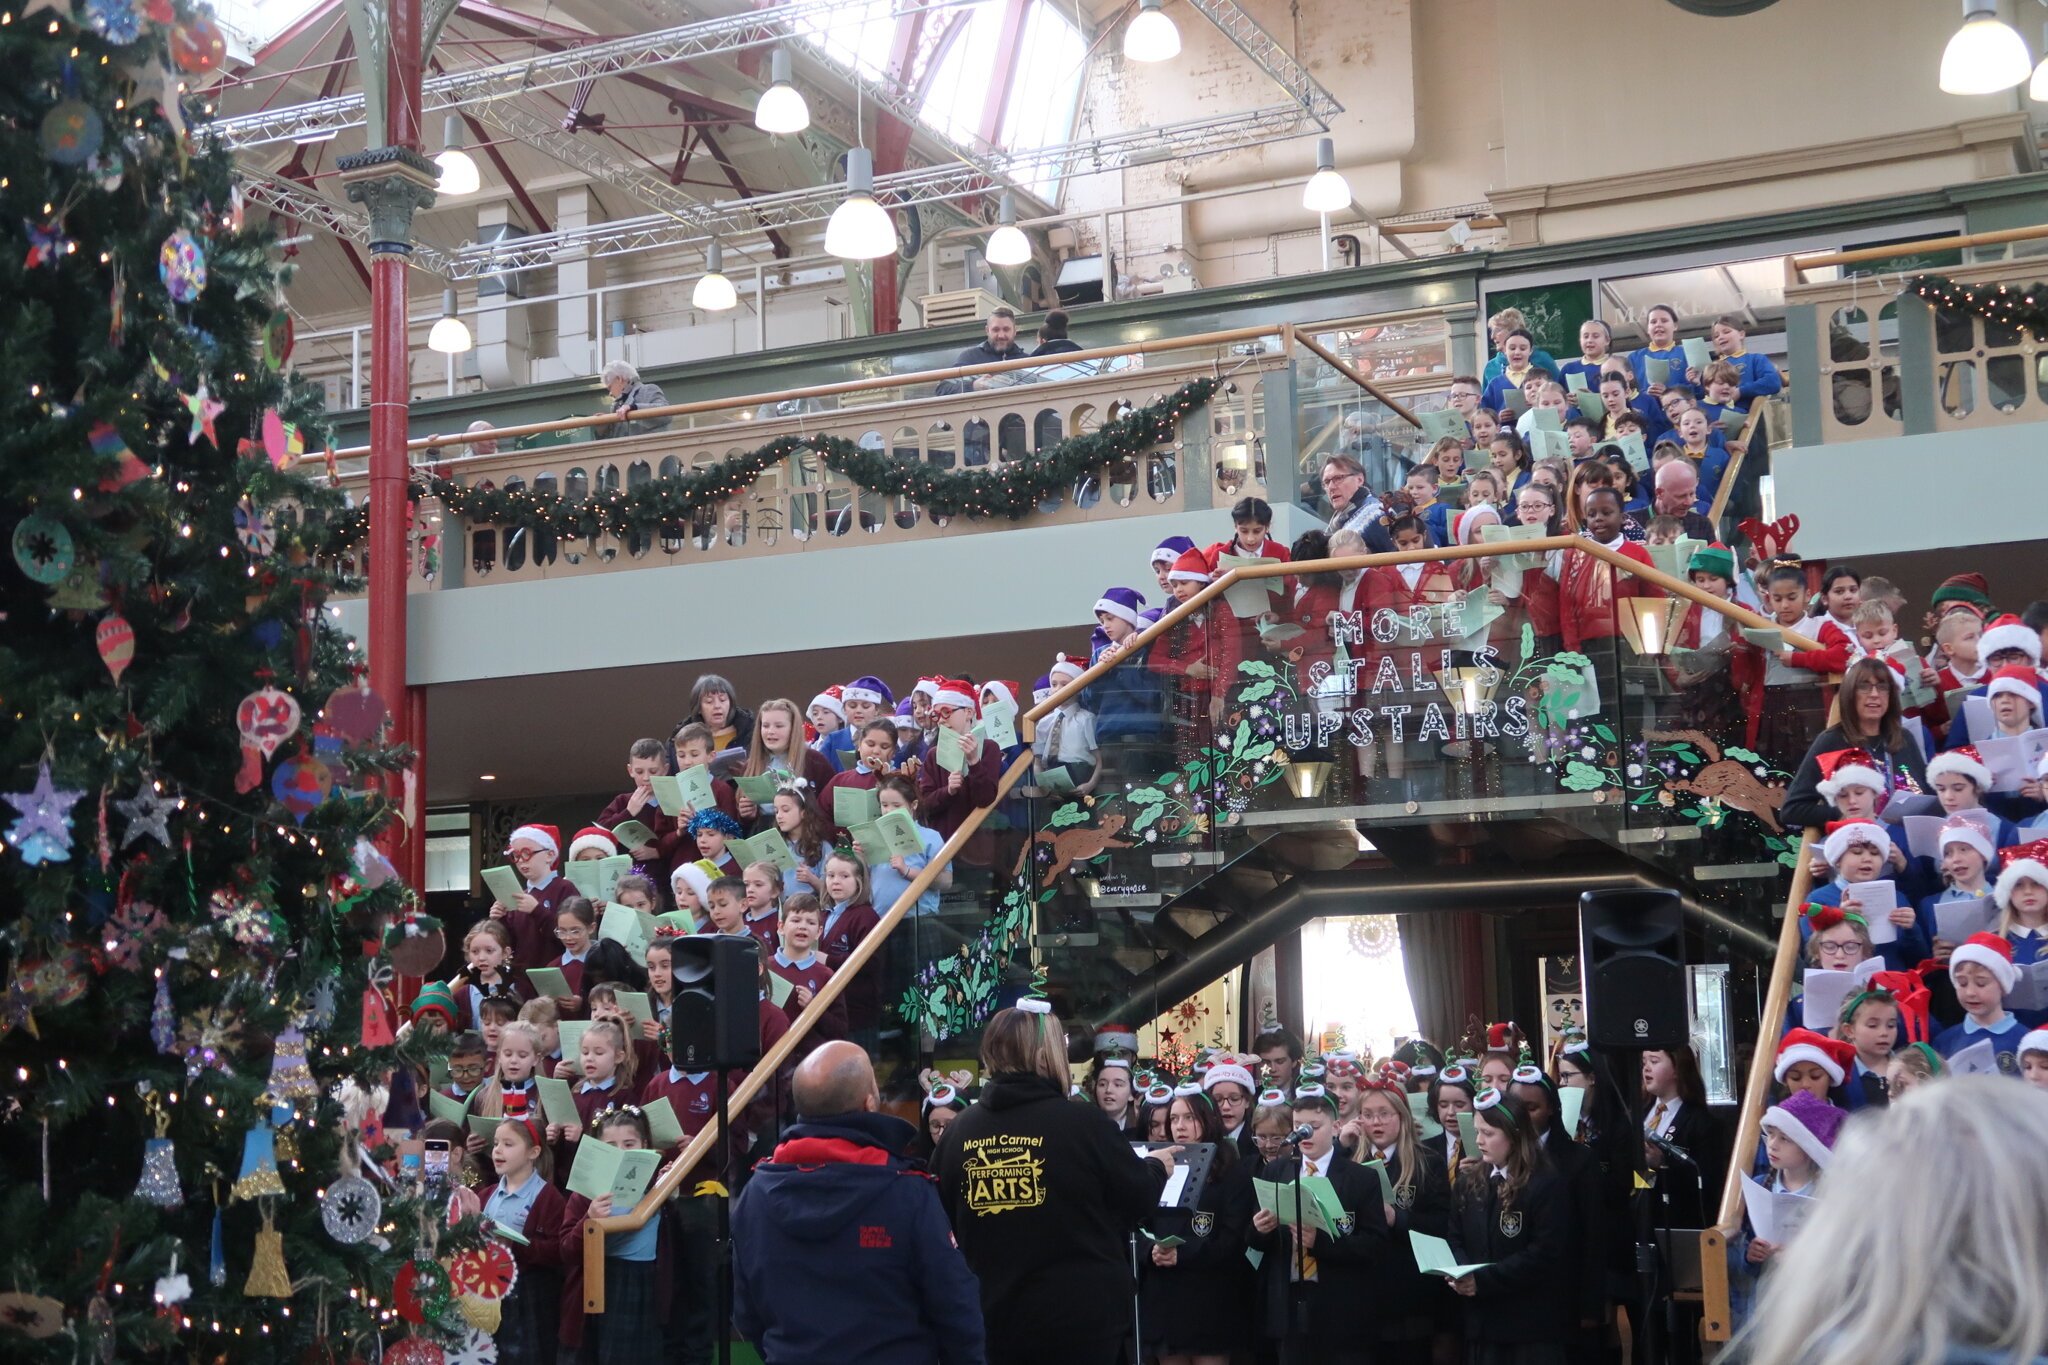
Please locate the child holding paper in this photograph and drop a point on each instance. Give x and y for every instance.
(873, 753)
(695, 748)
(762, 883)
(1340, 1267)
(2022, 896)
(1794, 705)
(643, 1051)
(797, 962)
(1860, 851)
(948, 794)
(524, 1201)
(849, 919)
(575, 927)
(1066, 738)
(805, 832)
(1127, 699)
(646, 760)
(1756, 376)
(1799, 1134)
(532, 851)
(865, 700)
(1982, 972)
(487, 948)
(1873, 1022)
(1596, 342)
(1250, 520)
(1192, 1296)
(888, 881)
(510, 1092)
(1511, 1221)
(1198, 655)
(1503, 390)
(1450, 1094)
(778, 751)
(1590, 590)
(469, 1061)
(629, 1331)
(1968, 854)
(607, 1066)
(709, 830)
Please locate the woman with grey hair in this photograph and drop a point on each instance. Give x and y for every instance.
(1944, 1271)
(629, 392)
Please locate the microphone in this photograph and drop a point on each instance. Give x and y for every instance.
(1672, 1149)
(1299, 1136)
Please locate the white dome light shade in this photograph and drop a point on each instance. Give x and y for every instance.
(781, 108)
(1985, 55)
(714, 292)
(1326, 191)
(450, 335)
(1151, 36)
(860, 228)
(459, 175)
(2037, 89)
(1008, 245)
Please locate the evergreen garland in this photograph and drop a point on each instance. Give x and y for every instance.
(1012, 490)
(2024, 306)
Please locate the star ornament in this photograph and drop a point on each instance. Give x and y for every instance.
(204, 408)
(148, 813)
(43, 833)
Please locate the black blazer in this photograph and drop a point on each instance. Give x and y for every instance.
(1410, 1297)
(1687, 1194)
(1523, 1288)
(1348, 1267)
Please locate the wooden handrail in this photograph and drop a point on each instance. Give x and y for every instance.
(1155, 346)
(670, 1179)
(1393, 404)
(1797, 266)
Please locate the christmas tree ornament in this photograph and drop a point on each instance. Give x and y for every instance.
(171, 1287)
(204, 409)
(159, 1183)
(488, 1273)
(181, 265)
(42, 548)
(376, 1019)
(208, 1039)
(351, 1209)
(99, 1321)
(71, 132)
(131, 928)
(278, 338)
(320, 1010)
(290, 1079)
(302, 783)
(267, 718)
(246, 918)
(108, 443)
(370, 864)
(415, 1350)
(217, 1259)
(34, 1316)
(81, 588)
(163, 1025)
(356, 713)
(415, 943)
(253, 529)
(259, 1175)
(118, 21)
(268, 1279)
(197, 46)
(43, 833)
(47, 244)
(116, 641)
(148, 813)
(421, 1291)
(482, 1315)
(105, 169)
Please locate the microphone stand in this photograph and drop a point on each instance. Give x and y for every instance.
(1675, 1152)
(1297, 1330)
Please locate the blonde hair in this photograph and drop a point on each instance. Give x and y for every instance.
(540, 1011)
(1404, 1145)
(1856, 1286)
(792, 755)
(1862, 932)
(490, 1099)
(1510, 318)
(1019, 1041)
(622, 1075)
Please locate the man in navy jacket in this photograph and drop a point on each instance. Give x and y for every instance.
(841, 1250)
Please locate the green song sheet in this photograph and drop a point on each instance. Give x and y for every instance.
(1433, 1256)
(854, 806)
(548, 981)
(504, 885)
(601, 1169)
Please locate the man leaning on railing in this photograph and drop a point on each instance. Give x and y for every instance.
(629, 393)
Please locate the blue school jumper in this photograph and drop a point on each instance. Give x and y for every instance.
(1758, 377)
(1638, 361)
(1500, 386)
(1437, 517)
(1497, 364)
(1909, 949)
(1862, 1088)
(2027, 949)
(1959, 725)
(2005, 1041)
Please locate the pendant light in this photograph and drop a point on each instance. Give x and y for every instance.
(781, 108)
(450, 335)
(1007, 245)
(459, 175)
(1151, 36)
(860, 228)
(1985, 55)
(714, 292)
(1326, 191)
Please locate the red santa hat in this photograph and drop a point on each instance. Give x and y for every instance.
(1848, 768)
(1964, 761)
(593, 836)
(927, 686)
(2035, 1041)
(2009, 632)
(1004, 689)
(1116, 1035)
(1961, 829)
(830, 699)
(548, 837)
(1991, 952)
(1831, 1055)
(1844, 835)
(2020, 863)
(1065, 668)
(955, 694)
(1466, 525)
(1189, 568)
(2016, 681)
(1503, 1037)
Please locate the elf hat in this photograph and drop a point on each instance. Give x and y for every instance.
(831, 700)
(2009, 632)
(1969, 592)
(1118, 1036)
(698, 877)
(1716, 559)
(1189, 568)
(1122, 603)
(1171, 549)
(1811, 1123)
(2035, 1041)
(1963, 761)
(955, 694)
(593, 836)
(1848, 768)
(2020, 863)
(1832, 1055)
(1230, 1071)
(548, 837)
(1065, 668)
(1991, 952)
(926, 686)
(435, 998)
(868, 689)
(1042, 690)
(1961, 829)
(1844, 835)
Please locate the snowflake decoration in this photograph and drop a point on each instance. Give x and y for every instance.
(205, 1040)
(148, 813)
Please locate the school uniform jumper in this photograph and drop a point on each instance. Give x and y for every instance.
(1521, 1311)
(1201, 1304)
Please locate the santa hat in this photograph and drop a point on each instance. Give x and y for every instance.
(1171, 549)
(830, 699)
(1189, 568)
(548, 837)
(1961, 829)
(1991, 952)
(1116, 1035)
(1969, 592)
(2016, 681)
(1715, 559)
(2020, 863)
(1042, 690)
(925, 686)
(1810, 1121)
(1005, 690)
(593, 836)
(2009, 632)
(1844, 835)
(1831, 1055)
(2035, 1041)
(1465, 525)
(956, 694)
(1065, 668)
(698, 876)
(1964, 761)
(868, 689)
(1504, 1037)
(1229, 1071)
(1122, 603)
(1848, 768)
(435, 998)
(906, 711)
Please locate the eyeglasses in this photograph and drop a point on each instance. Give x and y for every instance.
(566, 934)
(520, 855)
(465, 1069)
(1851, 949)
(1339, 476)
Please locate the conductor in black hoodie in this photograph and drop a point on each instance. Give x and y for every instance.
(1044, 1195)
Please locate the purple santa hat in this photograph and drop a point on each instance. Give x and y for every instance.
(1041, 689)
(1809, 1121)
(868, 689)
(1172, 548)
(1123, 603)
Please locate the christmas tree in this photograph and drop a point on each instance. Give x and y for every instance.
(193, 909)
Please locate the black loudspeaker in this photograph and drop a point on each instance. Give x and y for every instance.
(715, 1023)
(1632, 949)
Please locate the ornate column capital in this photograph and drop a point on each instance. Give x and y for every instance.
(393, 183)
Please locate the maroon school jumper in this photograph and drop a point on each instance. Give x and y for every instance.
(533, 936)
(945, 811)
(863, 994)
(812, 976)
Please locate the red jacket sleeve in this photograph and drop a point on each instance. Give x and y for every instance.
(1832, 656)
(1627, 584)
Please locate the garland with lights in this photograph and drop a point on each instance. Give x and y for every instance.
(2022, 307)
(1012, 490)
